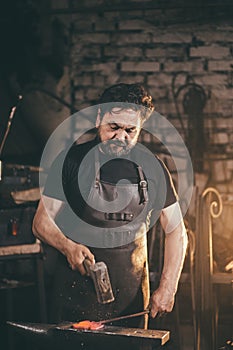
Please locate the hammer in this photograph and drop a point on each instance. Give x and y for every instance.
(99, 274)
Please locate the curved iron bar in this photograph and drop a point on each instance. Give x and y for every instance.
(210, 208)
(214, 205)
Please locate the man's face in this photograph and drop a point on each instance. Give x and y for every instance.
(118, 130)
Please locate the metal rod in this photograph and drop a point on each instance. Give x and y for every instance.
(70, 324)
(124, 317)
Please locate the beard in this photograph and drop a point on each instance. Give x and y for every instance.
(116, 148)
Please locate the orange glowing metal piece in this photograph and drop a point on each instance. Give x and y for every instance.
(88, 325)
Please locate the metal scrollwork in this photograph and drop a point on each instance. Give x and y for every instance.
(215, 206)
(211, 207)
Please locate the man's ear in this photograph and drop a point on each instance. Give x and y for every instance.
(97, 122)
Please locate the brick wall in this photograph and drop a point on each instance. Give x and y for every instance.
(165, 48)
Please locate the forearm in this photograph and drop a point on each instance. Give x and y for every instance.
(174, 255)
(47, 231)
(162, 299)
(45, 228)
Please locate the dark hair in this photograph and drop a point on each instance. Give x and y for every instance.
(125, 96)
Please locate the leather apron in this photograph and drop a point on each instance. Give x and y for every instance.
(74, 296)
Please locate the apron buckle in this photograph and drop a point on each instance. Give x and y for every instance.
(119, 216)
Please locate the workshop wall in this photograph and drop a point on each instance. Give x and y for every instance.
(68, 51)
(185, 57)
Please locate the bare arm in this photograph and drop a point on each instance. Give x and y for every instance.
(162, 300)
(45, 228)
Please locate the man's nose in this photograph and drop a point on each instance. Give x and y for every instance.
(121, 135)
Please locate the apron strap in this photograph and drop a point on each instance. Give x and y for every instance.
(142, 186)
(97, 169)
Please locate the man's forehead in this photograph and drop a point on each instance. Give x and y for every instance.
(117, 110)
(122, 116)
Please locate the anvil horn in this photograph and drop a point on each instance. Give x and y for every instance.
(26, 328)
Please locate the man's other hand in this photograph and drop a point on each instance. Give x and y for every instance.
(161, 301)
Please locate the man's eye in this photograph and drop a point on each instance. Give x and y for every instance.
(130, 131)
(114, 127)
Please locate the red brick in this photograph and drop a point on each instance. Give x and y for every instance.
(223, 123)
(220, 138)
(176, 123)
(159, 79)
(123, 39)
(165, 107)
(79, 95)
(91, 52)
(223, 93)
(93, 38)
(136, 24)
(213, 34)
(81, 104)
(159, 92)
(140, 66)
(122, 51)
(166, 52)
(112, 78)
(188, 66)
(105, 68)
(99, 80)
(104, 25)
(229, 150)
(216, 80)
(210, 51)
(224, 107)
(92, 94)
(171, 37)
(129, 77)
(219, 172)
(213, 106)
(222, 65)
(229, 163)
(84, 80)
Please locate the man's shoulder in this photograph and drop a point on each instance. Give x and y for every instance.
(144, 156)
(80, 150)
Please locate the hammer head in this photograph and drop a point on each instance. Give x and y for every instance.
(99, 274)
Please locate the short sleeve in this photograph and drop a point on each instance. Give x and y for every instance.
(162, 187)
(54, 182)
(171, 195)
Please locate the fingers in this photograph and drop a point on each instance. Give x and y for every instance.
(77, 255)
(157, 312)
(154, 311)
(81, 269)
(88, 255)
(77, 266)
(160, 304)
(153, 307)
